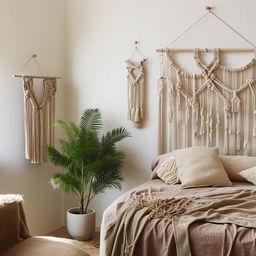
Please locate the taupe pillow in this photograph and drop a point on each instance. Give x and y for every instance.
(235, 164)
(249, 174)
(168, 171)
(200, 166)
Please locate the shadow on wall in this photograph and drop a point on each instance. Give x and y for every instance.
(134, 173)
(73, 99)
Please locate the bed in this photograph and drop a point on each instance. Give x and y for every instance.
(157, 236)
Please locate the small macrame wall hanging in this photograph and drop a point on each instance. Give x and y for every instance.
(39, 114)
(136, 88)
(214, 108)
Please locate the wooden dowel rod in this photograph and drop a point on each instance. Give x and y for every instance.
(205, 50)
(38, 77)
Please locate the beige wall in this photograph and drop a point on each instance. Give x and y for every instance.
(100, 37)
(90, 46)
(27, 27)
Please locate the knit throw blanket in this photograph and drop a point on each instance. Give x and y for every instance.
(13, 226)
(122, 235)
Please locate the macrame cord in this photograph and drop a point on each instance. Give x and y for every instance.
(39, 115)
(136, 87)
(207, 108)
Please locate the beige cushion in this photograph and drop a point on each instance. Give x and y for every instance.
(168, 171)
(200, 166)
(249, 174)
(235, 164)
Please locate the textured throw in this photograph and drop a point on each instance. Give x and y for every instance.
(13, 226)
(122, 235)
(38, 119)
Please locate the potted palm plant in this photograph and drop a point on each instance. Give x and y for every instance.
(92, 163)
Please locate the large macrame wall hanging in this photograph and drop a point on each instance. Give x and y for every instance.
(39, 115)
(216, 107)
(136, 88)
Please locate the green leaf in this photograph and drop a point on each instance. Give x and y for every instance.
(91, 120)
(109, 140)
(56, 157)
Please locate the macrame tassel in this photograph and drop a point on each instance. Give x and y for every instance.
(238, 140)
(226, 131)
(217, 127)
(210, 128)
(178, 87)
(202, 131)
(186, 112)
(160, 92)
(207, 129)
(170, 92)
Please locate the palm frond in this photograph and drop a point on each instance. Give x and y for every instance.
(110, 178)
(109, 140)
(70, 128)
(91, 120)
(56, 157)
(67, 182)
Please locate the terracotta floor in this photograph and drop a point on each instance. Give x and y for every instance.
(92, 246)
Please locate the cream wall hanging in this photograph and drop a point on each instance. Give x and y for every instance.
(39, 114)
(136, 88)
(216, 107)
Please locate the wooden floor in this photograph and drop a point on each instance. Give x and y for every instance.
(92, 246)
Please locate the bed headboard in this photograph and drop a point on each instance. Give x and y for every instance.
(216, 107)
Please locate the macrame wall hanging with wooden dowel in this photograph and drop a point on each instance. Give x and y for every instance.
(216, 107)
(39, 114)
(136, 87)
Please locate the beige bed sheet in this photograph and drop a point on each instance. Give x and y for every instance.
(208, 239)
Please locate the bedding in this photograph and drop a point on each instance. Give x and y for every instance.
(249, 175)
(157, 235)
(233, 165)
(200, 166)
(168, 171)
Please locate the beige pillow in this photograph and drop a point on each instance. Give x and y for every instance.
(168, 171)
(249, 174)
(235, 164)
(200, 166)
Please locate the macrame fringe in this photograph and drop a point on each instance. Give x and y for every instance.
(216, 100)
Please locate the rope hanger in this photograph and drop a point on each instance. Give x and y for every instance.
(42, 70)
(137, 50)
(209, 11)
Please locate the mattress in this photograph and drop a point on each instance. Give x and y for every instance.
(157, 237)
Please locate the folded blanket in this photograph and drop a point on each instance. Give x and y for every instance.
(13, 226)
(122, 235)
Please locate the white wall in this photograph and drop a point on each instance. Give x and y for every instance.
(96, 38)
(28, 27)
(100, 36)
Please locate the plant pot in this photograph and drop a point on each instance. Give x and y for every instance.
(81, 226)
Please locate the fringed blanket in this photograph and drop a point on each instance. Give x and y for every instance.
(13, 226)
(122, 235)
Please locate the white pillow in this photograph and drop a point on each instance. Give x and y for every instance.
(200, 166)
(235, 164)
(249, 174)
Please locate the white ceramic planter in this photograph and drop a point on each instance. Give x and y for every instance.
(81, 226)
